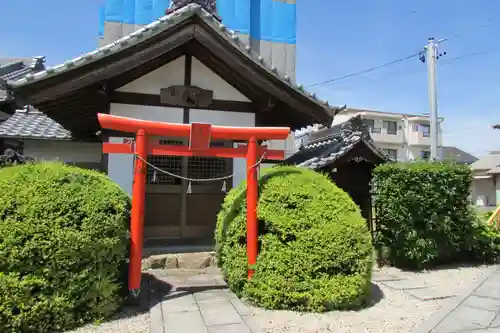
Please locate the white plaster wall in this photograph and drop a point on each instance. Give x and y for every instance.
(288, 145)
(146, 112)
(121, 166)
(484, 188)
(163, 77)
(222, 118)
(204, 77)
(64, 151)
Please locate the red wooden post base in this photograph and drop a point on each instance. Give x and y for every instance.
(200, 136)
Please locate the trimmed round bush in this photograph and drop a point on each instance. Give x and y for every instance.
(315, 251)
(63, 247)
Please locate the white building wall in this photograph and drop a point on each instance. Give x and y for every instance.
(120, 167)
(222, 118)
(484, 192)
(410, 143)
(163, 77)
(63, 151)
(204, 77)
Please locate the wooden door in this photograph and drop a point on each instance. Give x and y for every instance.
(172, 212)
(205, 200)
(163, 196)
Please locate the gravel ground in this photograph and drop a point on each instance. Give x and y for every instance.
(129, 320)
(395, 312)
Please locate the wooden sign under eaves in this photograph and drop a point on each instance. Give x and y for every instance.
(186, 96)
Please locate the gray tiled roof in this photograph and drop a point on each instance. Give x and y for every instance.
(487, 162)
(32, 124)
(157, 27)
(326, 146)
(458, 155)
(16, 69)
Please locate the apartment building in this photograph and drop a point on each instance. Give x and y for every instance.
(403, 137)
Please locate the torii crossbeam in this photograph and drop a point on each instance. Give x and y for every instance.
(199, 136)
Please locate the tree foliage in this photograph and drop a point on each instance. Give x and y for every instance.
(315, 250)
(63, 246)
(423, 214)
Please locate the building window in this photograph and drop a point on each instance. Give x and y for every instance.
(425, 154)
(370, 123)
(391, 126)
(425, 129)
(391, 153)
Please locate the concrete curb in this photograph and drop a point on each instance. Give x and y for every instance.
(430, 323)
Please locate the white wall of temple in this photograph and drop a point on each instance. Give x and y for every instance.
(120, 167)
(204, 77)
(64, 151)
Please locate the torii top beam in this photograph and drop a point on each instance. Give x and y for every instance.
(184, 130)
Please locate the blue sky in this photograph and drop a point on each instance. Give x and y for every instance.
(335, 38)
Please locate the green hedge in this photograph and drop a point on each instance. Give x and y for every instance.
(63, 245)
(423, 215)
(315, 248)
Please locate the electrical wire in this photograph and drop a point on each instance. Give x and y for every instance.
(364, 71)
(468, 31)
(457, 35)
(422, 69)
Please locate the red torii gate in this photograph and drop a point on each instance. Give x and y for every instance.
(199, 136)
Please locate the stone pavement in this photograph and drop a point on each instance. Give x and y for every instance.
(477, 310)
(415, 287)
(187, 301)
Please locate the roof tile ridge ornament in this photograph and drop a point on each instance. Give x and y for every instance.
(12, 157)
(37, 63)
(208, 5)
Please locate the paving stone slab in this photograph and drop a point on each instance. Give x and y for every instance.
(155, 316)
(240, 307)
(496, 321)
(252, 323)
(231, 328)
(183, 322)
(209, 295)
(179, 302)
(381, 277)
(219, 312)
(404, 284)
(490, 289)
(427, 294)
(485, 330)
(220, 281)
(484, 303)
(464, 318)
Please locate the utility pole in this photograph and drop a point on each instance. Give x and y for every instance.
(432, 56)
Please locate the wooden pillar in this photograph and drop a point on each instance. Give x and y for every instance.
(188, 64)
(252, 197)
(138, 205)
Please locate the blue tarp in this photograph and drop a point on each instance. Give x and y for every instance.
(263, 19)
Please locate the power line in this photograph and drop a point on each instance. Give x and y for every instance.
(468, 31)
(420, 70)
(364, 71)
(457, 35)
